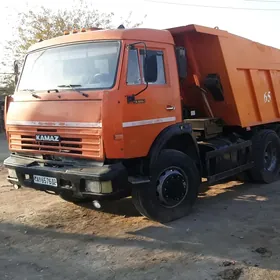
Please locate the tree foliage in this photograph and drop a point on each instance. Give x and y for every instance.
(8, 85)
(44, 23)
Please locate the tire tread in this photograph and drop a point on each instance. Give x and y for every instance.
(154, 211)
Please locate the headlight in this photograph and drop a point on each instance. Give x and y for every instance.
(98, 187)
(106, 187)
(12, 173)
(93, 186)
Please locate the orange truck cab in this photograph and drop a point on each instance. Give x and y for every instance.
(105, 114)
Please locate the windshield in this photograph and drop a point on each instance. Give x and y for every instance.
(90, 65)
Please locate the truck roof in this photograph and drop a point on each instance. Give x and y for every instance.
(137, 34)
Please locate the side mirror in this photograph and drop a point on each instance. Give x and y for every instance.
(150, 68)
(16, 80)
(181, 62)
(16, 71)
(16, 68)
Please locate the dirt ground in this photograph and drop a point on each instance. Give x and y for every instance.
(233, 233)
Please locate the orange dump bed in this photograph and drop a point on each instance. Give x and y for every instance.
(249, 73)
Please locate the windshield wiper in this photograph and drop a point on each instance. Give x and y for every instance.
(32, 91)
(73, 87)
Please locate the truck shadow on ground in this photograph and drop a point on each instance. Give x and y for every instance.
(125, 207)
(240, 224)
(231, 226)
(238, 215)
(34, 259)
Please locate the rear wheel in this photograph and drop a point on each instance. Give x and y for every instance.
(266, 155)
(277, 129)
(173, 188)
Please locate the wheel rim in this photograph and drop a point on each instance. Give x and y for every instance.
(270, 157)
(172, 187)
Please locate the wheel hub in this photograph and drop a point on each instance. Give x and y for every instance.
(270, 157)
(172, 187)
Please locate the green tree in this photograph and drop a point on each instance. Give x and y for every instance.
(44, 23)
(7, 85)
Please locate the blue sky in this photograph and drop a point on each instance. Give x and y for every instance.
(258, 25)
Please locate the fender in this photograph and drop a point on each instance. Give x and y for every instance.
(169, 133)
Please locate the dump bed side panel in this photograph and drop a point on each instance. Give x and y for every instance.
(209, 58)
(254, 73)
(205, 57)
(249, 73)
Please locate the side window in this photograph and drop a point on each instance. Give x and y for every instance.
(133, 69)
(160, 65)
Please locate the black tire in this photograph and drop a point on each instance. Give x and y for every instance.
(182, 169)
(277, 129)
(267, 167)
(69, 197)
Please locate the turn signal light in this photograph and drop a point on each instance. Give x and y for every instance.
(66, 32)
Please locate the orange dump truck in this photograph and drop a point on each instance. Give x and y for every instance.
(106, 114)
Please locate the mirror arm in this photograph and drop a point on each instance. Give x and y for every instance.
(131, 98)
(134, 95)
(131, 46)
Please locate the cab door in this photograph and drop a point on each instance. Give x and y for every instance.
(154, 108)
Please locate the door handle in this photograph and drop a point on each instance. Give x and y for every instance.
(170, 108)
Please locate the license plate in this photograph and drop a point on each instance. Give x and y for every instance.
(48, 181)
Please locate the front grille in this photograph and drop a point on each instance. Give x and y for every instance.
(85, 143)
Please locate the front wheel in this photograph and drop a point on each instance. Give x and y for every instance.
(173, 188)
